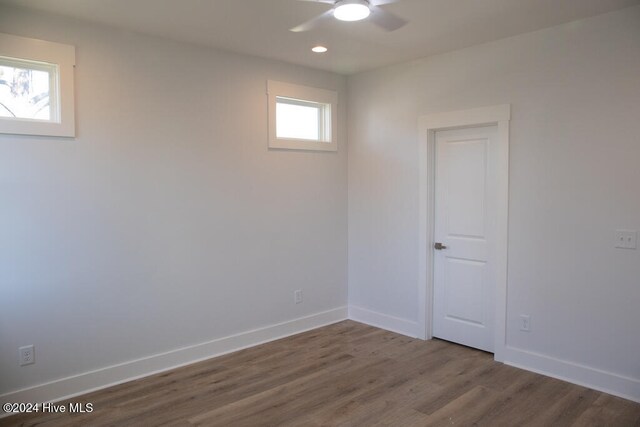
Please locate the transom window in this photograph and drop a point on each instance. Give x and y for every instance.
(28, 90)
(302, 118)
(36, 87)
(298, 119)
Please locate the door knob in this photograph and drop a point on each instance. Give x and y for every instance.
(439, 246)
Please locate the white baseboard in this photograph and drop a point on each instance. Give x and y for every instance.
(607, 382)
(86, 382)
(384, 321)
(65, 388)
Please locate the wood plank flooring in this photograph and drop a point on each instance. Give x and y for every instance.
(347, 374)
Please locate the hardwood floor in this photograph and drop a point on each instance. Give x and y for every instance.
(347, 374)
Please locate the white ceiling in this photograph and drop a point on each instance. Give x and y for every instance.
(260, 27)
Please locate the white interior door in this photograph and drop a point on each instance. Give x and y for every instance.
(465, 234)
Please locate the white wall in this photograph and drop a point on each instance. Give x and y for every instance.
(167, 222)
(574, 179)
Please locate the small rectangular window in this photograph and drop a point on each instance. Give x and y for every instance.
(28, 90)
(36, 87)
(302, 118)
(299, 119)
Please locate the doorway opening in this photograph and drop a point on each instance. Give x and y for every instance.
(464, 187)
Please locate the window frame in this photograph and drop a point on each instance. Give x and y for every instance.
(301, 95)
(62, 122)
(324, 128)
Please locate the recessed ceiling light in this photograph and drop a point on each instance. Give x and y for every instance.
(319, 49)
(351, 10)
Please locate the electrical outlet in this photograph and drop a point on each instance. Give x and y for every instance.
(626, 239)
(297, 296)
(26, 355)
(525, 323)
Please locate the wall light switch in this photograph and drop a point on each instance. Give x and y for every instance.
(626, 239)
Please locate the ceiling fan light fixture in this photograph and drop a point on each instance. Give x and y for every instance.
(351, 10)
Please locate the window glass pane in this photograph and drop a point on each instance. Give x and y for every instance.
(25, 89)
(298, 120)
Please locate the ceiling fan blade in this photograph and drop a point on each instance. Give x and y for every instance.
(386, 20)
(312, 23)
(329, 1)
(375, 2)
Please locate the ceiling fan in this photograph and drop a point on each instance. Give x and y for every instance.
(355, 10)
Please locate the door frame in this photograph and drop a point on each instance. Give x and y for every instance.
(429, 124)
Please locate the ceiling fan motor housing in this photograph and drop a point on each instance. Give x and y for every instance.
(351, 10)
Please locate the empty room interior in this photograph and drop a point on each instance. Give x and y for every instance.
(320, 212)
